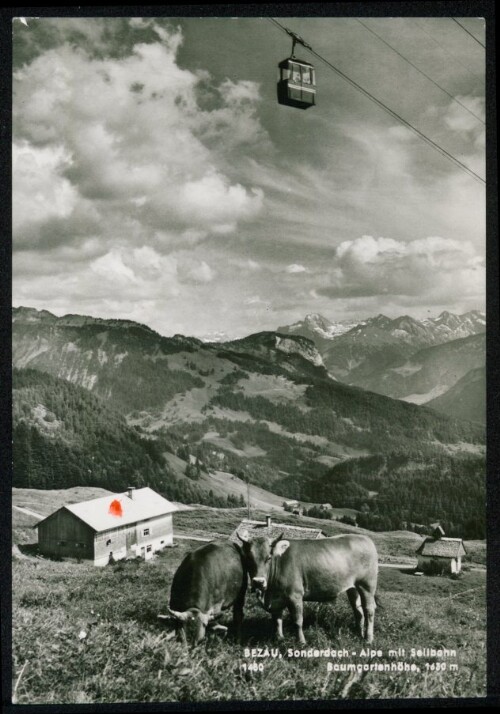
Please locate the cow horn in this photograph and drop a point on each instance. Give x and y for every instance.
(277, 539)
(182, 616)
(243, 536)
(217, 626)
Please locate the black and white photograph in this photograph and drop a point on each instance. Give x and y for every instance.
(248, 358)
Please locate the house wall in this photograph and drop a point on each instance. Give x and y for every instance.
(139, 539)
(430, 564)
(65, 536)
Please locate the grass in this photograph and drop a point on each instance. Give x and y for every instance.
(126, 655)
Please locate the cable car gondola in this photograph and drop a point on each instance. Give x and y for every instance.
(297, 79)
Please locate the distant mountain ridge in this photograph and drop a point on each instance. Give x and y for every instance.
(373, 353)
(447, 326)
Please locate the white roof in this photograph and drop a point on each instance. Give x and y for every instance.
(101, 516)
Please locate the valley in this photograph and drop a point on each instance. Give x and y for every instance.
(103, 403)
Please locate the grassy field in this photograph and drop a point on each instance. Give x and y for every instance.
(127, 656)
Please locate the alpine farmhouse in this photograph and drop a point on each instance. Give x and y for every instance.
(125, 525)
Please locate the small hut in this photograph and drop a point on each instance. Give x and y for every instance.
(438, 554)
(273, 530)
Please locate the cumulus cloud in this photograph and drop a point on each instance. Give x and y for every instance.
(459, 120)
(431, 268)
(40, 190)
(128, 134)
(198, 273)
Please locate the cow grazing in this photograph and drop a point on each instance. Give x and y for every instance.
(289, 572)
(209, 580)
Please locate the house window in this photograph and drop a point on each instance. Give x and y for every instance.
(149, 549)
(108, 542)
(162, 542)
(145, 532)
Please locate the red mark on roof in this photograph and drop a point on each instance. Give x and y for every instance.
(115, 508)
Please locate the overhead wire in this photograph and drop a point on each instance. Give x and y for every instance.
(390, 111)
(443, 49)
(469, 33)
(419, 70)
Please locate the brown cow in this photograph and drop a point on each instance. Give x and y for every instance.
(209, 580)
(289, 572)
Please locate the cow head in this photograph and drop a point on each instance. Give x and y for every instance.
(192, 623)
(257, 554)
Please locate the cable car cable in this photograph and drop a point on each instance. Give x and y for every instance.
(446, 52)
(394, 114)
(419, 70)
(469, 33)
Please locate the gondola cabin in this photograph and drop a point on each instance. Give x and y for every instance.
(297, 83)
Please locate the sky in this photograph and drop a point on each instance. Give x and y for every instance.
(157, 179)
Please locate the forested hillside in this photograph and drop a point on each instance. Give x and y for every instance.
(64, 436)
(262, 409)
(399, 492)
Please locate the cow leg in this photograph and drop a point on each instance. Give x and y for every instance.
(355, 600)
(237, 620)
(296, 607)
(277, 616)
(181, 633)
(369, 606)
(238, 613)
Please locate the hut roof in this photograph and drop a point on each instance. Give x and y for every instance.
(260, 528)
(442, 547)
(101, 515)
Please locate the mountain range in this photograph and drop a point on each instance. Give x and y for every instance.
(401, 357)
(262, 409)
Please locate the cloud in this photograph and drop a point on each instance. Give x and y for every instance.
(254, 300)
(295, 268)
(127, 134)
(40, 190)
(459, 120)
(198, 273)
(431, 268)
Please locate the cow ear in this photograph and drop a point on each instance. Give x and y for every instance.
(281, 548)
(243, 536)
(277, 539)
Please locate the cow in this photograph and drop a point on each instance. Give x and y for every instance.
(289, 572)
(209, 580)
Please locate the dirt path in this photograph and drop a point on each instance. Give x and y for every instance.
(28, 512)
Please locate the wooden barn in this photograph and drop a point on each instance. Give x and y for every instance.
(273, 530)
(438, 554)
(123, 525)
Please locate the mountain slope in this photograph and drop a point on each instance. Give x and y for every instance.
(466, 399)
(64, 436)
(430, 372)
(262, 409)
(159, 382)
(381, 354)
